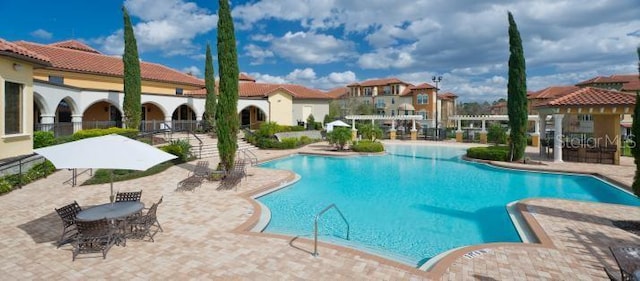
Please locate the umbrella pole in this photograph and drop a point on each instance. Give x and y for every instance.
(111, 197)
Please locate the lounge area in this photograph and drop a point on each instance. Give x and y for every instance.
(205, 236)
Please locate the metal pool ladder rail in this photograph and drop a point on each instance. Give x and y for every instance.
(315, 236)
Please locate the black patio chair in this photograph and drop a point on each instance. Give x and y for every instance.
(147, 225)
(93, 237)
(128, 196)
(234, 176)
(201, 170)
(68, 215)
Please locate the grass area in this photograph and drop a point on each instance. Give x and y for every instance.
(104, 175)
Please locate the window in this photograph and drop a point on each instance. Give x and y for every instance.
(368, 91)
(423, 99)
(179, 91)
(393, 101)
(56, 79)
(585, 117)
(12, 108)
(380, 103)
(387, 90)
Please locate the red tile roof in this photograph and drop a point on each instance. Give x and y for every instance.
(422, 86)
(76, 45)
(552, 92)
(246, 78)
(630, 82)
(66, 59)
(591, 96)
(251, 89)
(338, 92)
(12, 50)
(447, 96)
(378, 82)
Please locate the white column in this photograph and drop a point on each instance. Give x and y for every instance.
(353, 124)
(46, 122)
(76, 119)
(459, 125)
(393, 124)
(557, 137)
(483, 126)
(413, 125)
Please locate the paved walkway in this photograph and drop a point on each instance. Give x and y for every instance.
(205, 237)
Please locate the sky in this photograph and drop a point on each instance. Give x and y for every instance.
(325, 44)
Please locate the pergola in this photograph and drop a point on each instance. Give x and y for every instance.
(535, 137)
(605, 106)
(393, 119)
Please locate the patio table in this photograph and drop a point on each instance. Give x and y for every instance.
(110, 211)
(628, 259)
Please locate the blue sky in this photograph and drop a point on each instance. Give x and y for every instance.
(331, 43)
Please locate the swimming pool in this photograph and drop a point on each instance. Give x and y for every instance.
(416, 201)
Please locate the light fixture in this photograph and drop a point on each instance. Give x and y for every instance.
(17, 66)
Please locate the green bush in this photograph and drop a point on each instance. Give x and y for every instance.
(83, 134)
(288, 143)
(367, 146)
(497, 134)
(311, 122)
(64, 139)
(180, 148)
(339, 137)
(495, 153)
(370, 132)
(5, 186)
(304, 140)
(43, 139)
(40, 170)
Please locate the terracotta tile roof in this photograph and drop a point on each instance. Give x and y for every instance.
(422, 86)
(378, 82)
(12, 50)
(246, 78)
(66, 59)
(447, 96)
(591, 96)
(630, 82)
(76, 45)
(552, 92)
(250, 89)
(338, 92)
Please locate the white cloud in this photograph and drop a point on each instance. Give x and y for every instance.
(312, 48)
(257, 53)
(41, 34)
(168, 26)
(388, 58)
(193, 70)
(307, 77)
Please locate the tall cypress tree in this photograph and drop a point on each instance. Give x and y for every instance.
(210, 84)
(517, 93)
(226, 116)
(132, 86)
(635, 136)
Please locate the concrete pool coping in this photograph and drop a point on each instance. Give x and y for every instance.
(432, 269)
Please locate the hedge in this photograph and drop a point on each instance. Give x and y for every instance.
(367, 146)
(495, 153)
(83, 134)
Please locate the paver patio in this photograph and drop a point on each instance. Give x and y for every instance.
(204, 237)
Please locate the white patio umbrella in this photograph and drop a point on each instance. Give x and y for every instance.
(337, 123)
(105, 152)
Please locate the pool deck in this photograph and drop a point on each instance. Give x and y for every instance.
(205, 235)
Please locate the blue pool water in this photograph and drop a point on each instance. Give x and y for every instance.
(416, 201)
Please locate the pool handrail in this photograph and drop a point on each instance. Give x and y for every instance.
(315, 226)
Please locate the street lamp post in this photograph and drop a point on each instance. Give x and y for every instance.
(437, 80)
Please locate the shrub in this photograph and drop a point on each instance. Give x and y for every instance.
(180, 148)
(40, 170)
(304, 140)
(5, 186)
(339, 137)
(83, 134)
(370, 132)
(495, 153)
(311, 122)
(43, 139)
(367, 146)
(288, 143)
(497, 134)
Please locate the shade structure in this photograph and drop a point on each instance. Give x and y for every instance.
(406, 106)
(105, 152)
(337, 123)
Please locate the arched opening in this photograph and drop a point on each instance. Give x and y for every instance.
(152, 117)
(63, 125)
(101, 115)
(184, 119)
(252, 117)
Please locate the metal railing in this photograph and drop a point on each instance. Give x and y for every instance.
(19, 165)
(248, 154)
(315, 226)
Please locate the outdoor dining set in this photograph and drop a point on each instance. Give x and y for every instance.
(96, 229)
